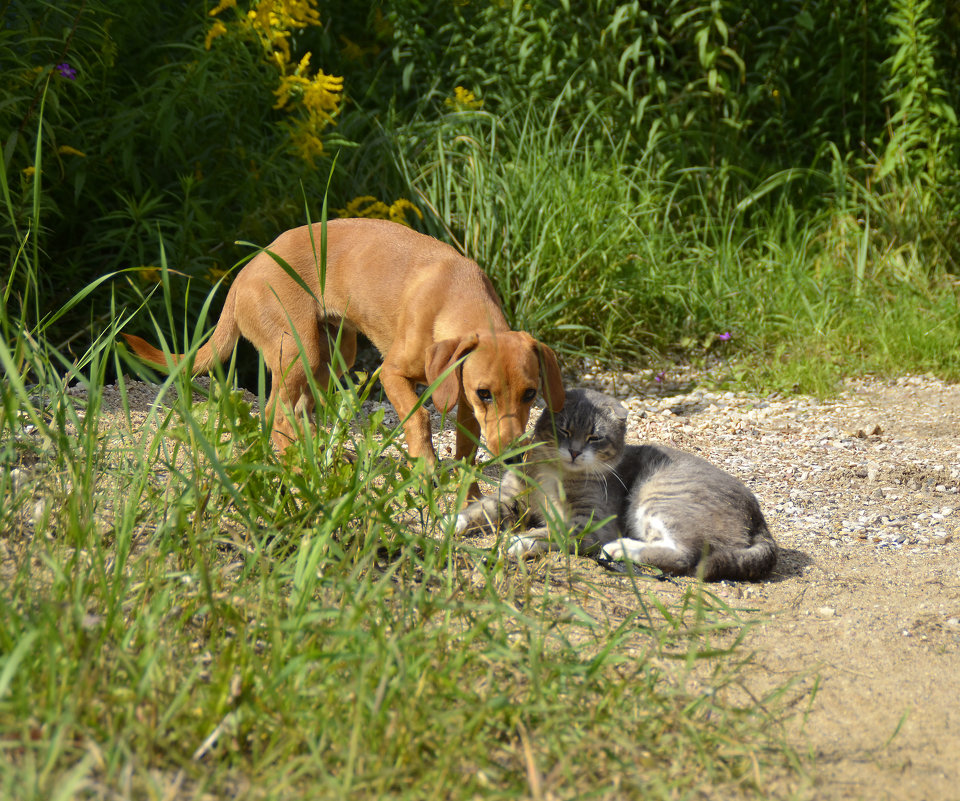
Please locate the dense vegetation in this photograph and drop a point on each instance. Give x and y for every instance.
(635, 176)
(183, 613)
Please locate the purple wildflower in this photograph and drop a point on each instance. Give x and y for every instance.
(66, 71)
(660, 376)
(724, 336)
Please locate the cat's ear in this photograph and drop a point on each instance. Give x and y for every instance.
(550, 378)
(618, 409)
(611, 405)
(439, 357)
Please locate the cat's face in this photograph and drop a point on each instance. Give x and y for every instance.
(586, 436)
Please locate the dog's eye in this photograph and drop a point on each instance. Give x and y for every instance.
(485, 395)
(529, 395)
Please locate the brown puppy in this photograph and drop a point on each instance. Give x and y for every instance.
(422, 304)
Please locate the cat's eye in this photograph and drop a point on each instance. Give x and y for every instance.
(485, 395)
(563, 432)
(529, 395)
(593, 439)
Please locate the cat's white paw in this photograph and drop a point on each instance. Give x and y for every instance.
(462, 523)
(521, 547)
(622, 549)
(613, 551)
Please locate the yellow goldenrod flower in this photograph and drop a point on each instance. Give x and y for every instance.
(214, 274)
(291, 86)
(28, 172)
(399, 208)
(280, 59)
(371, 208)
(382, 27)
(149, 275)
(351, 51)
(311, 101)
(463, 100)
(66, 150)
(299, 13)
(306, 142)
(272, 20)
(320, 95)
(217, 29)
(223, 6)
(364, 206)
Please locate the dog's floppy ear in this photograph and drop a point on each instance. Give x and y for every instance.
(440, 356)
(551, 379)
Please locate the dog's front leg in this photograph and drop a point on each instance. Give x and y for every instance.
(468, 431)
(468, 438)
(401, 392)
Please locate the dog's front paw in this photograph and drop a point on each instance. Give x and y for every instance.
(526, 547)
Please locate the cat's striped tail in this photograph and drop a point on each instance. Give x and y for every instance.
(742, 564)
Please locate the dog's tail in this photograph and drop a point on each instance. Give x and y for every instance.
(212, 352)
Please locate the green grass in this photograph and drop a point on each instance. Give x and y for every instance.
(632, 263)
(181, 610)
(184, 614)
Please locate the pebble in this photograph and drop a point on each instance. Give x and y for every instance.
(18, 480)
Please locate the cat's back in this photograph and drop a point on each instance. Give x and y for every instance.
(689, 490)
(670, 465)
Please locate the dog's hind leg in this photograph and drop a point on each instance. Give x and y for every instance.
(290, 394)
(347, 347)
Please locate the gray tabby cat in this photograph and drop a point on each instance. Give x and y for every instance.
(655, 505)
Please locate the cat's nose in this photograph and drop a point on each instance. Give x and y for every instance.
(574, 455)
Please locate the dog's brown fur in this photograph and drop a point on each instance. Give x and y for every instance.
(422, 304)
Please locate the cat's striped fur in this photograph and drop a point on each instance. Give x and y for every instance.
(655, 505)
